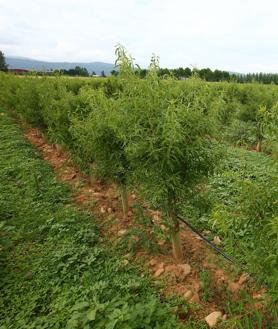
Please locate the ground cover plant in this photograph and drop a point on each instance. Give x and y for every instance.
(240, 205)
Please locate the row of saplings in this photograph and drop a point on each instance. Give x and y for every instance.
(145, 135)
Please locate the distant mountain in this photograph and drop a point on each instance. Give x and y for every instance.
(235, 73)
(32, 64)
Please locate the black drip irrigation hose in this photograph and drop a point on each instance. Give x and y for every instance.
(213, 246)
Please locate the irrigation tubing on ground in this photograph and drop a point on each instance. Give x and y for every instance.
(227, 257)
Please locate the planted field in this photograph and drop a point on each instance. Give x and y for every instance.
(136, 155)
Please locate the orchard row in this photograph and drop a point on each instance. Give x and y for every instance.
(163, 137)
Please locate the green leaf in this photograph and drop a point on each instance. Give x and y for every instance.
(81, 305)
(91, 315)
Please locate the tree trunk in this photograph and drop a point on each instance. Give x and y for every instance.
(124, 197)
(92, 177)
(175, 235)
(58, 148)
(259, 146)
(38, 133)
(177, 247)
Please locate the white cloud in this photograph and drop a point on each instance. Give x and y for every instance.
(233, 35)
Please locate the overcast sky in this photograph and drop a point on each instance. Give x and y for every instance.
(235, 35)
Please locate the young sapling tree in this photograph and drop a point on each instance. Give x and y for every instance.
(167, 141)
(266, 124)
(100, 138)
